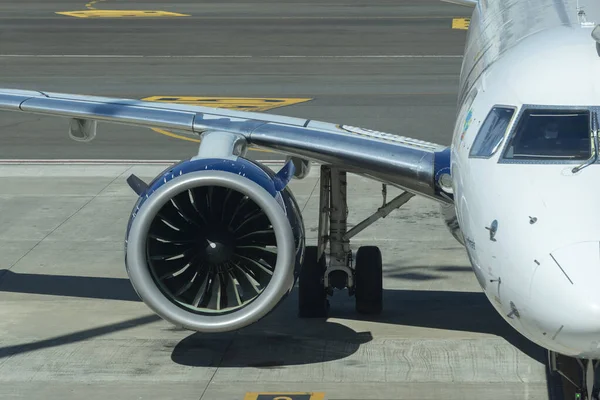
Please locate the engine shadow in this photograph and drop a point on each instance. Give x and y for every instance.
(282, 338)
(310, 342)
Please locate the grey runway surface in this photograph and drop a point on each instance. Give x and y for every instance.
(354, 61)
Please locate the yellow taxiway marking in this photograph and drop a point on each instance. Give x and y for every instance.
(90, 5)
(284, 396)
(93, 13)
(461, 23)
(190, 139)
(175, 136)
(231, 103)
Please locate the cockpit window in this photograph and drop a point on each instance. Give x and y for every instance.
(551, 135)
(492, 132)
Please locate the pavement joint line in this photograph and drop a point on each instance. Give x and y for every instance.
(16, 124)
(366, 56)
(120, 176)
(107, 162)
(5, 360)
(235, 334)
(83, 161)
(7, 352)
(311, 194)
(58, 226)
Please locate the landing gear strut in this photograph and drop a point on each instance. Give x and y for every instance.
(322, 272)
(584, 379)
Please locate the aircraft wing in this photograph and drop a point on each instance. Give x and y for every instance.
(417, 166)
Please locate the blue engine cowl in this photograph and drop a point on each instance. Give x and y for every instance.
(214, 245)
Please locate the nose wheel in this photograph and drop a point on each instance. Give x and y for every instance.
(581, 376)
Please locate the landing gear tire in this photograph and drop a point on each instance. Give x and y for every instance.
(312, 300)
(368, 280)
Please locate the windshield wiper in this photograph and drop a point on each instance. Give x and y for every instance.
(594, 156)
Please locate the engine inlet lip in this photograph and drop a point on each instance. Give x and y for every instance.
(141, 277)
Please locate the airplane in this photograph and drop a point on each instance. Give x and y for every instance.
(215, 242)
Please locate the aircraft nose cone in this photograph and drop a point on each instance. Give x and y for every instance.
(565, 294)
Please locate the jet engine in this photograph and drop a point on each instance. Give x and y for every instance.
(213, 245)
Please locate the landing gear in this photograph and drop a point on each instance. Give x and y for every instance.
(362, 276)
(581, 374)
(368, 280)
(312, 301)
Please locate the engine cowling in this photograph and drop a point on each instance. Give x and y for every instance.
(213, 245)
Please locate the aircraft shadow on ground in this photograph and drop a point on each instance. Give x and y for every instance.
(281, 338)
(423, 273)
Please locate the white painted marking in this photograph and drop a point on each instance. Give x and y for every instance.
(83, 161)
(101, 161)
(224, 56)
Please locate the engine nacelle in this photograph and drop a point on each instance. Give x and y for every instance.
(214, 245)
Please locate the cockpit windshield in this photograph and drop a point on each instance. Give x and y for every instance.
(551, 135)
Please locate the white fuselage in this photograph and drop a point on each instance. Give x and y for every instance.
(541, 268)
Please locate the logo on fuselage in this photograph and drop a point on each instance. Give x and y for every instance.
(467, 124)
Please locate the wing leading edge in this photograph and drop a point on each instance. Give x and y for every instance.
(414, 165)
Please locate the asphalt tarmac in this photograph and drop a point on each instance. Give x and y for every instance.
(71, 326)
(390, 66)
